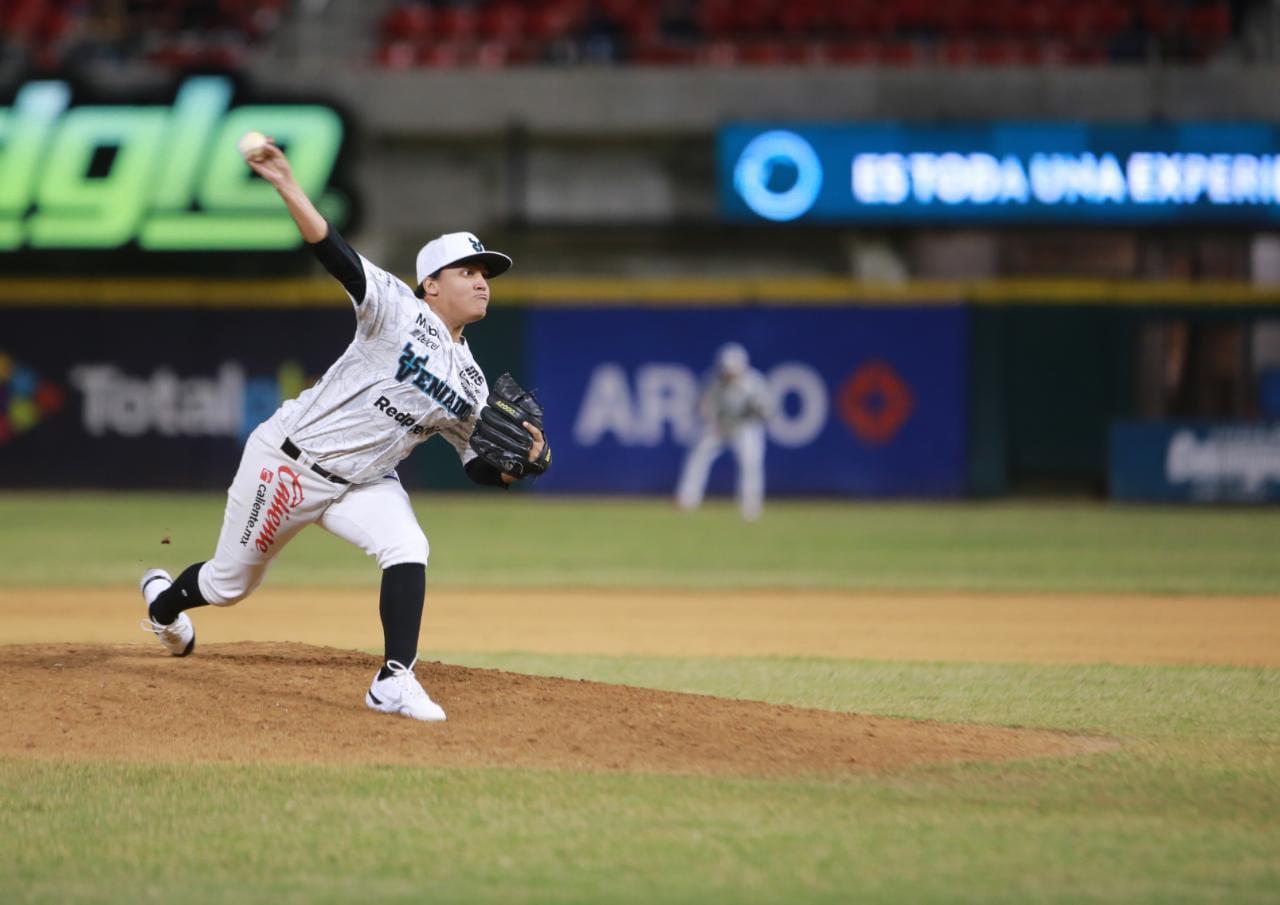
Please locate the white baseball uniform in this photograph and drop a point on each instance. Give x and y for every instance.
(733, 408)
(328, 456)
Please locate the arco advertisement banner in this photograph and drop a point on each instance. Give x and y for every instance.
(865, 401)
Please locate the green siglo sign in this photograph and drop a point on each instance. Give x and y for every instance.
(168, 178)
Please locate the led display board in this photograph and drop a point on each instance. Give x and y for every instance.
(1001, 173)
(156, 176)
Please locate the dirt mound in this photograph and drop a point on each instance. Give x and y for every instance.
(298, 703)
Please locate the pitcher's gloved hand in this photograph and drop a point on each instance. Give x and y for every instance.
(500, 437)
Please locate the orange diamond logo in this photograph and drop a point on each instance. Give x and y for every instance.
(874, 403)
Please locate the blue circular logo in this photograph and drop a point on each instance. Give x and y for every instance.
(778, 175)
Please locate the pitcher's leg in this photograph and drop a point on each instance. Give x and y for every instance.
(271, 498)
(181, 595)
(378, 518)
(400, 604)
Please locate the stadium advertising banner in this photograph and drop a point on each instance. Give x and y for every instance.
(866, 401)
(1001, 173)
(89, 173)
(1195, 462)
(91, 397)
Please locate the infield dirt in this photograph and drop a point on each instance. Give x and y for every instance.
(1006, 627)
(286, 697)
(274, 702)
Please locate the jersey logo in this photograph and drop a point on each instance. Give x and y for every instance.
(406, 419)
(284, 501)
(422, 337)
(423, 322)
(412, 365)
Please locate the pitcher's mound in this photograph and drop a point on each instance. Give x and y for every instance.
(297, 703)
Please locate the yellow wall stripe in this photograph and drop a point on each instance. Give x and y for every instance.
(514, 291)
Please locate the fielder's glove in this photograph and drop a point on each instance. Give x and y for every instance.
(501, 439)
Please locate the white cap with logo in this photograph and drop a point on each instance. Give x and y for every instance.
(733, 358)
(451, 248)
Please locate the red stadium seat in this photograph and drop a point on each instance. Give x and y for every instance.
(503, 21)
(397, 55)
(493, 33)
(1209, 25)
(764, 53)
(803, 17)
(454, 23)
(851, 53)
(663, 54)
(406, 23)
(446, 55)
(897, 53)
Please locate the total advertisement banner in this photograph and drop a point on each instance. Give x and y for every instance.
(1195, 461)
(864, 401)
(92, 397)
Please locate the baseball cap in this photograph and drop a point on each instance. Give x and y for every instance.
(451, 248)
(733, 358)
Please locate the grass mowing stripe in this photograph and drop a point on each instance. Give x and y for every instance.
(1104, 827)
(1051, 546)
(1200, 702)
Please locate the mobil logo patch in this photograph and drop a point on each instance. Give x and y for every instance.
(26, 398)
(874, 402)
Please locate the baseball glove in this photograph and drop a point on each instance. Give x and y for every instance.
(500, 437)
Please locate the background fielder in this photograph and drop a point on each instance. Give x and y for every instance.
(733, 408)
(328, 456)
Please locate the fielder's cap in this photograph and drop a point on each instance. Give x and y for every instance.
(733, 358)
(451, 248)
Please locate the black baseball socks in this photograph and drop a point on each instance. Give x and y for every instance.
(404, 588)
(183, 594)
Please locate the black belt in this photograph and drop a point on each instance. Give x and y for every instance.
(292, 451)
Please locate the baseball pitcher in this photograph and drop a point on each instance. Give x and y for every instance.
(328, 457)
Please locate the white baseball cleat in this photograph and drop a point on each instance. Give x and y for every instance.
(401, 693)
(179, 638)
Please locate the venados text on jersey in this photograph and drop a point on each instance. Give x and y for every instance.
(435, 387)
(384, 405)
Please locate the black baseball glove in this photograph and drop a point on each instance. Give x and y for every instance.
(500, 437)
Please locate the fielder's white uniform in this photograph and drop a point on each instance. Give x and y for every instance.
(733, 407)
(328, 457)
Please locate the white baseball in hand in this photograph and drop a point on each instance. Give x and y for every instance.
(252, 146)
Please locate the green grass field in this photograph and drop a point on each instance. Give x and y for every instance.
(1186, 810)
(576, 543)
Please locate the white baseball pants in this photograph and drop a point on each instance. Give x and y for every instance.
(747, 443)
(273, 497)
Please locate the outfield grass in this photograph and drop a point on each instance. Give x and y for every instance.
(92, 539)
(1113, 828)
(1184, 810)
